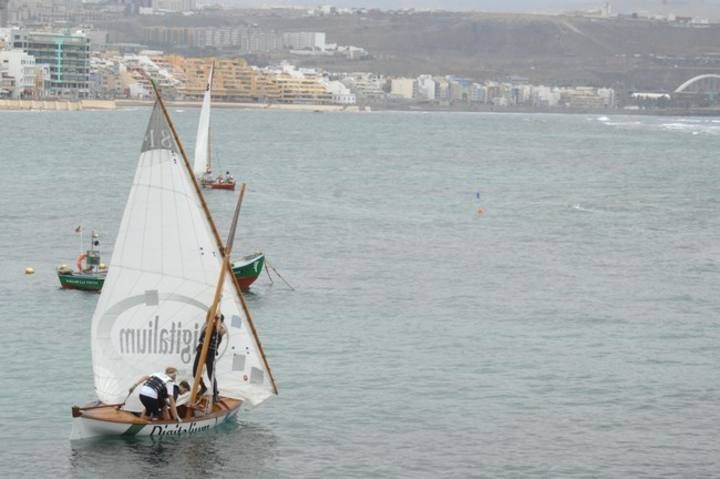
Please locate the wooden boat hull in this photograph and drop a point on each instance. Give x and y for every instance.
(82, 281)
(248, 268)
(96, 420)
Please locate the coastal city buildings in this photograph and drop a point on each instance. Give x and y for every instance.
(61, 65)
(66, 54)
(103, 61)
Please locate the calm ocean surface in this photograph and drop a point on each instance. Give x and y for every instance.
(572, 330)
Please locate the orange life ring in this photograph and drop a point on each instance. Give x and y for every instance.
(79, 260)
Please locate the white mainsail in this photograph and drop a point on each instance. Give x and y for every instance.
(161, 282)
(201, 164)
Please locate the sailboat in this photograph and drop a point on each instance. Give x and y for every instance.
(169, 274)
(201, 163)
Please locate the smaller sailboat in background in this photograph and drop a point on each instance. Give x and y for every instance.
(248, 268)
(91, 272)
(201, 163)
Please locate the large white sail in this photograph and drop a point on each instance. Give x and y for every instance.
(161, 282)
(202, 148)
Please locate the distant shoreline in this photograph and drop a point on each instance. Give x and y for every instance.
(81, 105)
(95, 105)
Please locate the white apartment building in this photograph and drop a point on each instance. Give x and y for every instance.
(365, 85)
(426, 87)
(341, 94)
(402, 87)
(304, 40)
(21, 67)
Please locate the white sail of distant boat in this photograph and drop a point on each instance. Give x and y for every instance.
(203, 157)
(201, 164)
(161, 282)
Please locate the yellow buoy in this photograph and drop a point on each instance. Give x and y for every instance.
(29, 270)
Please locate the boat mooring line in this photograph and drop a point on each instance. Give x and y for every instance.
(267, 263)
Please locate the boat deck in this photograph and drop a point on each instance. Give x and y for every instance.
(110, 413)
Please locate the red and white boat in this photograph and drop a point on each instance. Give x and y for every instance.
(226, 182)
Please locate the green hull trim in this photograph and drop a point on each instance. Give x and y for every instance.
(134, 429)
(83, 281)
(247, 269)
(251, 269)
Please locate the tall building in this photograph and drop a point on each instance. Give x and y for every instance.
(19, 66)
(234, 79)
(403, 87)
(304, 40)
(67, 56)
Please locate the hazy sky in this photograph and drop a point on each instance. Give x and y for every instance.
(700, 8)
(485, 5)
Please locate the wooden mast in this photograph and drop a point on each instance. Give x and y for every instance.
(210, 321)
(216, 235)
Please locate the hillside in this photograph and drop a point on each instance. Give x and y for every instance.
(633, 54)
(627, 54)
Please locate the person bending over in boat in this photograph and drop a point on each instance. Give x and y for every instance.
(215, 339)
(157, 392)
(183, 388)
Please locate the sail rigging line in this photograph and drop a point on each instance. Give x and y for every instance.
(210, 319)
(215, 233)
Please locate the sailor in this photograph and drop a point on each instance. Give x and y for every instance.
(183, 388)
(217, 334)
(228, 177)
(157, 392)
(207, 178)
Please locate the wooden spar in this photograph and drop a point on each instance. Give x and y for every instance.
(210, 321)
(212, 77)
(189, 169)
(218, 241)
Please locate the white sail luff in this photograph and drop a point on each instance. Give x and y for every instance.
(201, 163)
(161, 281)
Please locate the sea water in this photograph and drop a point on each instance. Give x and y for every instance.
(476, 295)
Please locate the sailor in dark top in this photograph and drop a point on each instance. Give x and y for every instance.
(157, 392)
(215, 340)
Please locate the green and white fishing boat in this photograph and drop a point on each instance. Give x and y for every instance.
(91, 272)
(247, 269)
(169, 274)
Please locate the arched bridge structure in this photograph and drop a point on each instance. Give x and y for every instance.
(708, 83)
